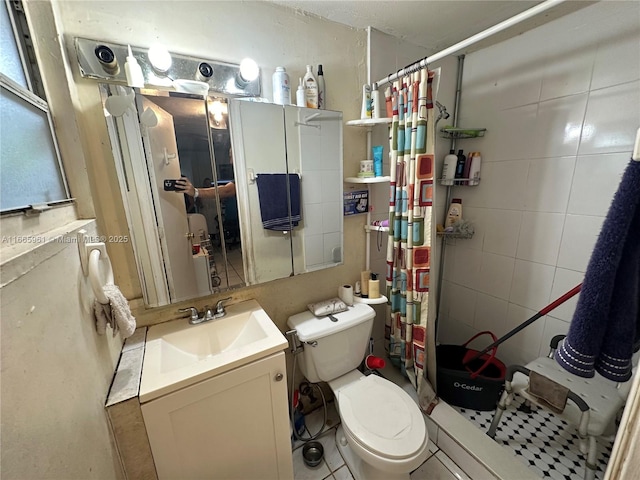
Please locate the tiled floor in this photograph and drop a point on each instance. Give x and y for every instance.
(235, 267)
(540, 440)
(437, 466)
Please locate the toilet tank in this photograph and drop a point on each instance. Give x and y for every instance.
(332, 348)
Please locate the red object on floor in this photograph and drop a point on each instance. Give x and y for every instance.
(372, 362)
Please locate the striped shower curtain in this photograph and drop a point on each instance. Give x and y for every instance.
(411, 142)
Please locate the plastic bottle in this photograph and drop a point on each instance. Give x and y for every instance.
(322, 98)
(310, 88)
(374, 286)
(455, 212)
(460, 167)
(366, 102)
(474, 170)
(376, 108)
(300, 100)
(132, 69)
(449, 168)
(281, 87)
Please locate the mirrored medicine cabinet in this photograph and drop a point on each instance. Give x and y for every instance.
(187, 248)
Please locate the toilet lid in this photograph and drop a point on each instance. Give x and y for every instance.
(391, 426)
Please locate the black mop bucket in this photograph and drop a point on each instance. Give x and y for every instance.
(476, 385)
(471, 379)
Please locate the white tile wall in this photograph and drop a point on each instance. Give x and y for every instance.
(561, 124)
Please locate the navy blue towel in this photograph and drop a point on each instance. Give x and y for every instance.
(275, 201)
(606, 322)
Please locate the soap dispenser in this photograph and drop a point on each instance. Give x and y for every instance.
(132, 69)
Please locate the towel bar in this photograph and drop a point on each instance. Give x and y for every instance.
(94, 275)
(90, 255)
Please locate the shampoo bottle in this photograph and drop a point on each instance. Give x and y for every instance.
(449, 168)
(322, 97)
(455, 212)
(474, 171)
(281, 87)
(132, 69)
(310, 88)
(460, 167)
(300, 100)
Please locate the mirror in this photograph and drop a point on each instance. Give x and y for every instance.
(186, 248)
(304, 147)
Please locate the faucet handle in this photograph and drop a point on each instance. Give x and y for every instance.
(220, 306)
(192, 311)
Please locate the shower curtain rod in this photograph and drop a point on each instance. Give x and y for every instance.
(469, 41)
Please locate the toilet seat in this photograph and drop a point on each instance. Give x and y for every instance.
(391, 427)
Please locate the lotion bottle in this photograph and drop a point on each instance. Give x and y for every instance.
(449, 168)
(310, 88)
(455, 212)
(132, 69)
(300, 100)
(322, 97)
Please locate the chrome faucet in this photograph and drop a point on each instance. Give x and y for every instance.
(196, 318)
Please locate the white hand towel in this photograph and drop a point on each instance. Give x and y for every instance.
(117, 313)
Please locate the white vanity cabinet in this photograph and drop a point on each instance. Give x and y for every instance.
(232, 426)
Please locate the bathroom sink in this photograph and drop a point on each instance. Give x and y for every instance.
(178, 354)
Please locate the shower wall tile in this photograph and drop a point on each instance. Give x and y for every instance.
(540, 236)
(562, 78)
(502, 228)
(549, 184)
(501, 186)
(613, 116)
(618, 61)
(528, 340)
(563, 281)
(312, 218)
(466, 269)
(330, 181)
(462, 311)
(552, 327)
(595, 182)
(330, 221)
(514, 129)
(558, 126)
(578, 238)
(496, 272)
(491, 314)
(531, 284)
(331, 241)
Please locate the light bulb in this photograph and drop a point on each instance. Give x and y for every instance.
(160, 58)
(249, 70)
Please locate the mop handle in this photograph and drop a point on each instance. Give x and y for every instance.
(524, 325)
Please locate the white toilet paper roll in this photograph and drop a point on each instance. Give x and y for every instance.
(345, 293)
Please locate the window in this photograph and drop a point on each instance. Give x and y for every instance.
(30, 169)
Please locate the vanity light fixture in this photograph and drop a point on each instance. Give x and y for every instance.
(107, 61)
(160, 58)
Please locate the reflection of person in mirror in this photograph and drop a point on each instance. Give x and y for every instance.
(223, 191)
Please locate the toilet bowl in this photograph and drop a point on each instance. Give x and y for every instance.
(382, 433)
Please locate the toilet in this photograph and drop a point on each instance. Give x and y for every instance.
(382, 433)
